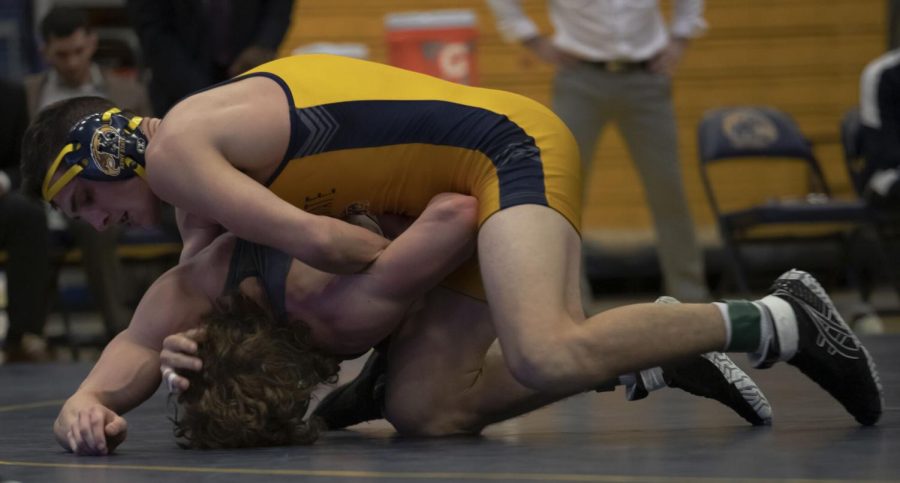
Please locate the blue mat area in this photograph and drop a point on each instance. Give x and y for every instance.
(668, 437)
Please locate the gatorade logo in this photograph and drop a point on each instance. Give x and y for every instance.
(453, 61)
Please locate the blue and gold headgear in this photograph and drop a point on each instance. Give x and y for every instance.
(102, 147)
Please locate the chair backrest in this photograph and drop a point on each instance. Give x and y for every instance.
(750, 131)
(754, 132)
(852, 141)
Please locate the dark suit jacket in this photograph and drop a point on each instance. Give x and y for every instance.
(174, 36)
(13, 123)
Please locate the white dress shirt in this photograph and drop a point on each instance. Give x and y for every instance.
(603, 30)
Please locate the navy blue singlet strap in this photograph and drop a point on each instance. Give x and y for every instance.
(268, 264)
(240, 267)
(273, 266)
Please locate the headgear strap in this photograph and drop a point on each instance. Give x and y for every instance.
(102, 147)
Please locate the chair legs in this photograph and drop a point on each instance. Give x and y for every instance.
(736, 264)
(737, 267)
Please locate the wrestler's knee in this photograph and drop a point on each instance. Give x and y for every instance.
(411, 414)
(545, 364)
(436, 421)
(535, 368)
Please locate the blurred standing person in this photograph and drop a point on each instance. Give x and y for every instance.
(69, 44)
(615, 60)
(23, 235)
(192, 44)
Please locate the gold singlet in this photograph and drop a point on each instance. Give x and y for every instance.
(369, 136)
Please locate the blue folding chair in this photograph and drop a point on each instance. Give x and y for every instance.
(768, 140)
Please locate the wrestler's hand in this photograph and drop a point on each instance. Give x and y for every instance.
(88, 428)
(179, 353)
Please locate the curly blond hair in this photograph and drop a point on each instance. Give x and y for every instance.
(256, 383)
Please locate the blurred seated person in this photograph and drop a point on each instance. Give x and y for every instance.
(69, 44)
(880, 117)
(23, 236)
(192, 44)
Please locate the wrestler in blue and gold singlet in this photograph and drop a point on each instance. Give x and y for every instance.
(374, 137)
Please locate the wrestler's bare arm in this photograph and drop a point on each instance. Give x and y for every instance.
(428, 251)
(127, 372)
(373, 304)
(87, 424)
(199, 161)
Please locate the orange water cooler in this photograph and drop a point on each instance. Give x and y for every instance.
(440, 43)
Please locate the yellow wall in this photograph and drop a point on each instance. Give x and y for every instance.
(803, 56)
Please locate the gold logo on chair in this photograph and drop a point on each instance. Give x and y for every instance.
(749, 128)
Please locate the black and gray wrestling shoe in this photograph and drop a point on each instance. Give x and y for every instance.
(712, 375)
(827, 350)
(359, 400)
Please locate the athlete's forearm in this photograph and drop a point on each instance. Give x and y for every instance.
(125, 376)
(430, 249)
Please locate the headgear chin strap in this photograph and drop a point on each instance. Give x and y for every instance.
(102, 147)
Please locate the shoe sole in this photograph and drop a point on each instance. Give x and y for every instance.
(750, 392)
